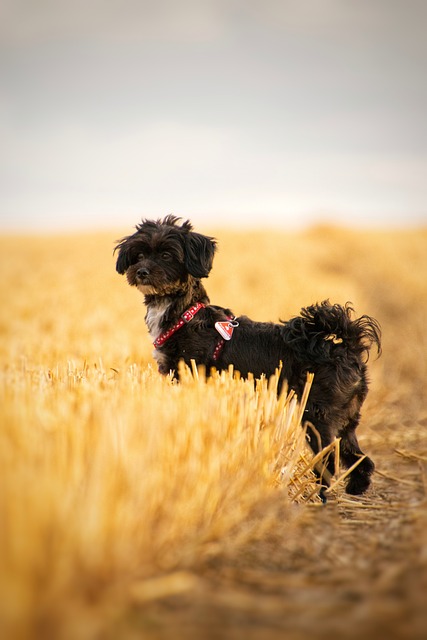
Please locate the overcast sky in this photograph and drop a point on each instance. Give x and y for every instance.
(242, 112)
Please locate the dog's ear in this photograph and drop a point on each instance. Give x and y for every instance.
(123, 260)
(199, 254)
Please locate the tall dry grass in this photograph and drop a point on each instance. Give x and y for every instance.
(118, 486)
(112, 478)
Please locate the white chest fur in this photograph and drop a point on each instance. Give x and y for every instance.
(154, 318)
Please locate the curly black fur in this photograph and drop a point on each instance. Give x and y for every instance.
(166, 261)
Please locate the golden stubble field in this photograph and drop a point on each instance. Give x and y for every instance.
(132, 507)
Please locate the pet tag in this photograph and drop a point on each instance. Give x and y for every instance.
(225, 329)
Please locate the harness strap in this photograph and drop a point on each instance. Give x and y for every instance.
(218, 349)
(187, 316)
(225, 330)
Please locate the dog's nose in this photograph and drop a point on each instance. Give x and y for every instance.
(143, 272)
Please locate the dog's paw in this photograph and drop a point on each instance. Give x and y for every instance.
(360, 478)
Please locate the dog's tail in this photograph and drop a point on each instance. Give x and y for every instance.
(324, 331)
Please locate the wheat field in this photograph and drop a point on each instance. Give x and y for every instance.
(134, 507)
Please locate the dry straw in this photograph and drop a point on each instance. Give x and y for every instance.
(114, 476)
(120, 488)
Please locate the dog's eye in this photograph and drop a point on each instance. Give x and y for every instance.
(166, 255)
(140, 256)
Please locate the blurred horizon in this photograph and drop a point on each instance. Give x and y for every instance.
(280, 114)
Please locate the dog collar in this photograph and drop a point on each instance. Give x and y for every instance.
(187, 316)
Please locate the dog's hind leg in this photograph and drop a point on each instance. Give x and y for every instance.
(350, 452)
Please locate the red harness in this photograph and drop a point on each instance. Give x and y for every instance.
(187, 316)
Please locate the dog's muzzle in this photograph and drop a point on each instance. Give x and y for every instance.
(143, 274)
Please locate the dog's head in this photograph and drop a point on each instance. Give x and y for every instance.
(161, 255)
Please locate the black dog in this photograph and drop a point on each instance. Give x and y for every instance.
(166, 261)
